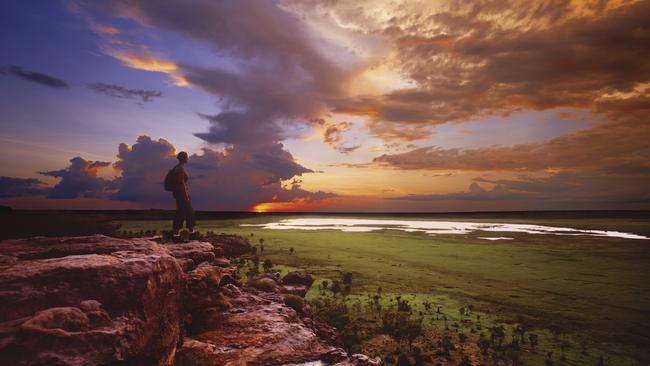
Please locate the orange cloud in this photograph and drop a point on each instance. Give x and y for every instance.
(153, 64)
(443, 41)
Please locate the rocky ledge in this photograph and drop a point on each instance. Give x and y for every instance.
(98, 300)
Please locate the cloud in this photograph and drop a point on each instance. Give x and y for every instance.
(278, 78)
(609, 162)
(142, 60)
(474, 193)
(591, 149)
(242, 128)
(333, 136)
(118, 91)
(142, 168)
(468, 60)
(235, 178)
(79, 179)
(35, 77)
(580, 187)
(16, 187)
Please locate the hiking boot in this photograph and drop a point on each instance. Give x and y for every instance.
(177, 238)
(194, 235)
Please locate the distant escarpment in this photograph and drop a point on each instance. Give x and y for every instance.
(97, 300)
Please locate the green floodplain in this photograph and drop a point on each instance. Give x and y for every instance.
(584, 296)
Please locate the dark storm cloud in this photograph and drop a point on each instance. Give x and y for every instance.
(16, 187)
(280, 78)
(236, 127)
(119, 91)
(34, 76)
(79, 179)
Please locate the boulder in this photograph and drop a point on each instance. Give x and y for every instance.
(265, 284)
(298, 278)
(191, 254)
(202, 285)
(275, 276)
(88, 300)
(298, 290)
(335, 355)
(230, 245)
(261, 331)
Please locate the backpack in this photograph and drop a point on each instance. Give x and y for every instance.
(171, 180)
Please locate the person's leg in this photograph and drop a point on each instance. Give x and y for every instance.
(190, 218)
(178, 215)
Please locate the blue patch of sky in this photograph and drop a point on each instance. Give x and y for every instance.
(45, 37)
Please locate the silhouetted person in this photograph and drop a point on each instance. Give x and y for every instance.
(176, 182)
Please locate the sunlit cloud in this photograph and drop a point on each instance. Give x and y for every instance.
(151, 63)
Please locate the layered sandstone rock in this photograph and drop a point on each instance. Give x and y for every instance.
(99, 300)
(88, 300)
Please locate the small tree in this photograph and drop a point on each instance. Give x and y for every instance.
(497, 335)
(563, 347)
(520, 330)
(532, 338)
(336, 287)
(446, 345)
(462, 338)
(483, 344)
(549, 359)
(346, 290)
(255, 266)
(347, 278)
(291, 250)
(267, 265)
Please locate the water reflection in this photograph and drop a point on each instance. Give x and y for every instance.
(432, 227)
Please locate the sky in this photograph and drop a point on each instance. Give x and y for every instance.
(339, 106)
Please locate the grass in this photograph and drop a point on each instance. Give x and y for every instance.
(592, 292)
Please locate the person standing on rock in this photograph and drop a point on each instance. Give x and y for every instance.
(176, 182)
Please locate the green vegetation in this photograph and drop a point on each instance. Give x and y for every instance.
(568, 299)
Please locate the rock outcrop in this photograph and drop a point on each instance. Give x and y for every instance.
(88, 300)
(100, 300)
